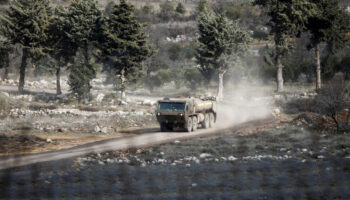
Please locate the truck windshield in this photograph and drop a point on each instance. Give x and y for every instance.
(171, 106)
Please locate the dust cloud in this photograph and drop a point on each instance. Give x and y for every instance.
(242, 104)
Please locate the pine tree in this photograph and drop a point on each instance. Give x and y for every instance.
(82, 18)
(5, 50)
(329, 24)
(61, 47)
(123, 45)
(288, 18)
(220, 44)
(26, 23)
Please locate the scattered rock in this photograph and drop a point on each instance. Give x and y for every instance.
(277, 112)
(204, 155)
(232, 158)
(104, 130)
(148, 102)
(97, 129)
(100, 97)
(48, 140)
(123, 103)
(6, 94)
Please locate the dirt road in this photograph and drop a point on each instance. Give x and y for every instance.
(147, 138)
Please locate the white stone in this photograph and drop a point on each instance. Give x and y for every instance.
(48, 140)
(232, 158)
(100, 97)
(43, 83)
(104, 130)
(6, 94)
(205, 155)
(148, 102)
(97, 129)
(277, 111)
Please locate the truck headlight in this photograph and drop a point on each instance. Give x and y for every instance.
(158, 114)
(181, 114)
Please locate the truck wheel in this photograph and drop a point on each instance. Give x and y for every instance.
(189, 125)
(195, 123)
(163, 127)
(211, 120)
(205, 123)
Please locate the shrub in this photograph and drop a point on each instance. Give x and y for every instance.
(193, 78)
(333, 98)
(79, 80)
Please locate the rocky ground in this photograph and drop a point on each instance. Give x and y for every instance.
(283, 161)
(300, 158)
(40, 121)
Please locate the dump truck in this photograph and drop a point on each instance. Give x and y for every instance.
(188, 114)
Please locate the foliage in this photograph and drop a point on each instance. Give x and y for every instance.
(333, 99)
(61, 46)
(3, 2)
(80, 22)
(329, 23)
(202, 5)
(287, 19)
(329, 65)
(175, 51)
(148, 8)
(123, 44)
(344, 66)
(83, 17)
(26, 23)
(79, 79)
(180, 8)
(5, 50)
(167, 11)
(193, 78)
(260, 34)
(160, 78)
(221, 41)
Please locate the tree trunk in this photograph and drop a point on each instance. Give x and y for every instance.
(279, 74)
(86, 53)
(318, 67)
(58, 81)
(22, 71)
(5, 75)
(220, 95)
(122, 77)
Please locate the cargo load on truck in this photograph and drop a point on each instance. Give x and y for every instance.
(188, 114)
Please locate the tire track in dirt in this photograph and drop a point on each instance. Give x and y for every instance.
(124, 143)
